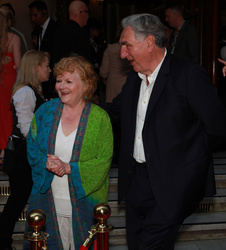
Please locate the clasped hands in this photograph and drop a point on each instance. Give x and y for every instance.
(56, 166)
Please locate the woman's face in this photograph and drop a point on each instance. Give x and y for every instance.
(70, 88)
(43, 71)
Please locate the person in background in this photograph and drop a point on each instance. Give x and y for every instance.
(11, 19)
(184, 42)
(70, 150)
(168, 31)
(168, 108)
(73, 37)
(114, 71)
(10, 55)
(44, 32)
(94, 28)
(26, 98)
(45, 26)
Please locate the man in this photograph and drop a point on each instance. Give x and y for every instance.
(11, 17)
(167, 107)
(46, 26)
(184, 41)
(45, 30)
(73, 38)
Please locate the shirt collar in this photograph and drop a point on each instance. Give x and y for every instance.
(45, 24)
(153, 76)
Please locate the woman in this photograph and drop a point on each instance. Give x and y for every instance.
(10, 56)
(26, 98)
(70, 146)
(114, 70)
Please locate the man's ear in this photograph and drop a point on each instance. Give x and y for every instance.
(150, 40)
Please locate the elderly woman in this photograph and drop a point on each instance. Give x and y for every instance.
(26, 98)
(70, 146)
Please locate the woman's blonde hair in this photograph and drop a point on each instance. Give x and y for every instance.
(4, 28)
(84, 69)
(27, 75)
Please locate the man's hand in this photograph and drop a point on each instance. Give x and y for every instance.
(224, 68)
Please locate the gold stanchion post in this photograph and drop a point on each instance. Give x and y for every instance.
(102, 212)
(36, 219)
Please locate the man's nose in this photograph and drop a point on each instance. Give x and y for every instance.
(123, 53)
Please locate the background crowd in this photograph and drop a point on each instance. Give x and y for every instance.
(69, 71)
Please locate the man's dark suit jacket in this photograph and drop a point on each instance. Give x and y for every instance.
(184, 107)
(46, 45)
(47, 40)
(187, 43)
(71, 39)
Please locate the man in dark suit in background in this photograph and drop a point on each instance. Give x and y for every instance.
(168, 107)
(45, 30)
(73, 38)
(184, 41)
(45, 26)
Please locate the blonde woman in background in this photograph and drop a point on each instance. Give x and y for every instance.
(10, 55)
(26, 98)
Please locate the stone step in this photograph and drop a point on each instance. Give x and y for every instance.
(216, 203)
(186, 233)
(117, 219)
(188, 237)
(218, 244)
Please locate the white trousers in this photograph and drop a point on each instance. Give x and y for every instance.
(66, 232)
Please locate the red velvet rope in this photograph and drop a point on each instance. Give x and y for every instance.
(83, 248)
(95, 244)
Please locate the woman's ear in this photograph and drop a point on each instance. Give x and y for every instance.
(36, 68)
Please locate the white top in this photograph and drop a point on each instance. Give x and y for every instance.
(145, 93)
(24, 101)
(60, 188)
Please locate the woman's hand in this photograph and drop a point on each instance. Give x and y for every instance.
(56, 166)
(224, 68)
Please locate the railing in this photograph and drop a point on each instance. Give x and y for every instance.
(99, 232)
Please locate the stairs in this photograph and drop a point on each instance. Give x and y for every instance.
(204, 229)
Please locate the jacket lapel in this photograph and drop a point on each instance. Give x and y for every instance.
(160, 83)
(134, 104)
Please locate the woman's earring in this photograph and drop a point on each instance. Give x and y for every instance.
(86, 97)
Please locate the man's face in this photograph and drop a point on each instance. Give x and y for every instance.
(170, 18)
(38, 17)
(84, 15)
(135, 51)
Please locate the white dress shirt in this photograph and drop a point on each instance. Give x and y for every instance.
(44, 27)
(24, 101)
(145, 94)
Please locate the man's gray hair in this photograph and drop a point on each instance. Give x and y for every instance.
(146, 24)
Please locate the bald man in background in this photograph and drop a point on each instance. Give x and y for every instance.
(73, 38)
